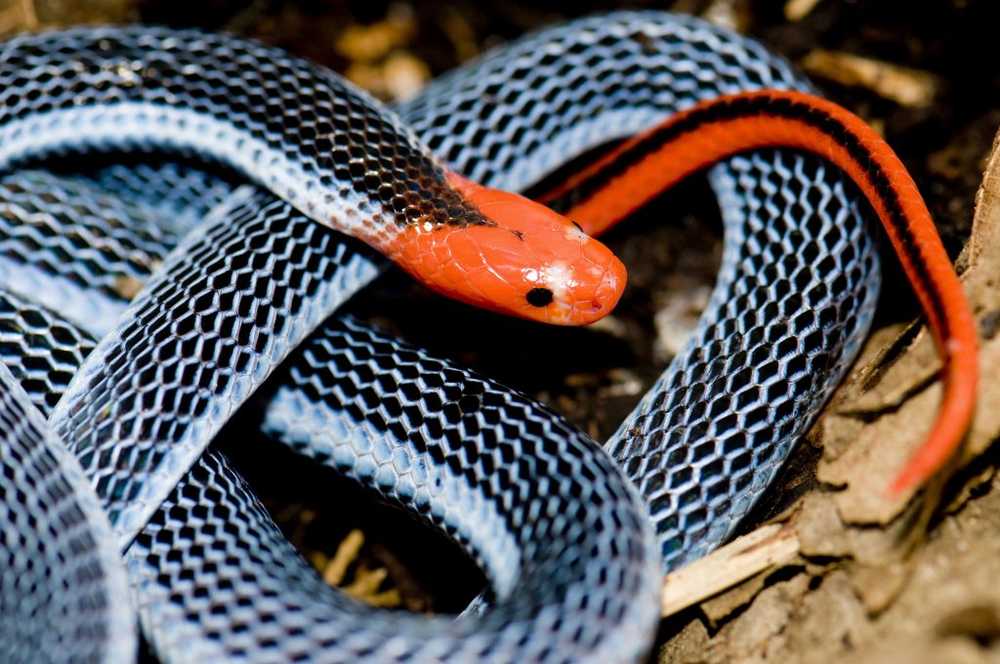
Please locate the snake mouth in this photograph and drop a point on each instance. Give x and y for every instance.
(490, 268)
(583, 304)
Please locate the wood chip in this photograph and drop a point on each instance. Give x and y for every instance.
(908, 87)
(404, 75)
(127, 287)
(612, 325)
(461, 35)
(347, 553)
(796, 10)
(389, 599)
(678, 318)
(730, 14)
(368, 43)
(766, 547)
(17, 16)
(43, 14)
(367, 583)
(877, 586)
(398, 78)
(719, 609)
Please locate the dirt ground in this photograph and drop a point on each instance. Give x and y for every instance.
(870, 579)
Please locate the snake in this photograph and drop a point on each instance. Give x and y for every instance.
(572, 555)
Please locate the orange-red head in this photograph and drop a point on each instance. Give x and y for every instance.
(528, 261)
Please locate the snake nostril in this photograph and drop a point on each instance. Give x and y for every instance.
(539, 297)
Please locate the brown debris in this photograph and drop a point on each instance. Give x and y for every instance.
(379, 61)
(32, 15)
(366, 582)
(398, 78)
(796, 10)
(730, 14)
(370, 43)
(820, 531)
(760, 630)
(128, 287)
(874, 588)
(461, 35)
(688, 646)
(903, 85)
(17, 15)
(677, 319)
(335, 570)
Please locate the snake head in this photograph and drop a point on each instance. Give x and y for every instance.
(526, 261)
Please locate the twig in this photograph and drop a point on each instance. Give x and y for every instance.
(347, 553)
(742, 558)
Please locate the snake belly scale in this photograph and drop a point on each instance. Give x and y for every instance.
(571, 561)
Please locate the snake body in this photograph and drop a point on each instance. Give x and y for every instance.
(306, 134)
(572, 561)
(456, 495)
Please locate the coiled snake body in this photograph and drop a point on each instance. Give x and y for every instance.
(571, 557)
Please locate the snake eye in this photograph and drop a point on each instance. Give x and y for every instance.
(539, 297)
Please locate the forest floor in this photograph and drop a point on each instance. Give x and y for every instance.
(869, 578)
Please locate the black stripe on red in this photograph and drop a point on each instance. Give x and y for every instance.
(786, 109)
